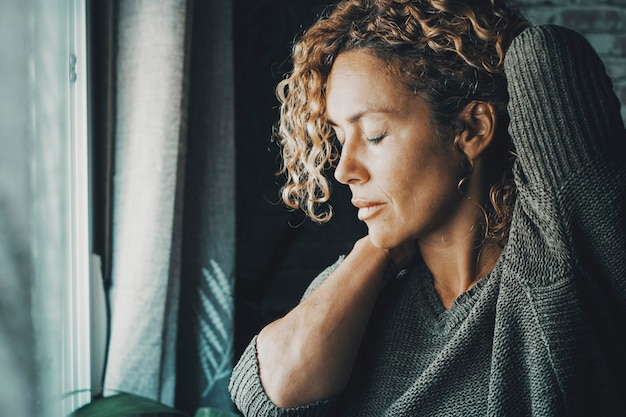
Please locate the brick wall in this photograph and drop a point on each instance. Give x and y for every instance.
(603, 22)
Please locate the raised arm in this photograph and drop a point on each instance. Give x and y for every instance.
(564, 113)
(571, 146)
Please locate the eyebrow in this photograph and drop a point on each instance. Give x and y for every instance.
(356, 117)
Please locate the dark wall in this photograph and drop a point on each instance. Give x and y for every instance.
(278, 251)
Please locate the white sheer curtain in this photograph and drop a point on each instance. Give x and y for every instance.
(145, 275)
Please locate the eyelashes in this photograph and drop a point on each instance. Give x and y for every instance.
(376, 139)
(338, 141)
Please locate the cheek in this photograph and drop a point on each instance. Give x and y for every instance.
(427, 183)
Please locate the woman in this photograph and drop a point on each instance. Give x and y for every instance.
(512, 296)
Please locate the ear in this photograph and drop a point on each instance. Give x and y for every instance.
(479, 121)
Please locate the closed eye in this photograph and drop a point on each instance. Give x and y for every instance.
(376, 139)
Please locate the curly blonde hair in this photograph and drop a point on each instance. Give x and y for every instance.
(450, 52)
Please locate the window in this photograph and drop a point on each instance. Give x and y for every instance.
(44, 208)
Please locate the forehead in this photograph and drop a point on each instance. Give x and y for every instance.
(359, 82)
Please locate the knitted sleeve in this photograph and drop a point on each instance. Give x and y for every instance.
(571, 146)
(249, 396)
(564, 113)
(245, 386)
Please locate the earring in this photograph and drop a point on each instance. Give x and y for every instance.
(470, 170)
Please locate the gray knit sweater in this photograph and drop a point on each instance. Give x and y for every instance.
(543, 333)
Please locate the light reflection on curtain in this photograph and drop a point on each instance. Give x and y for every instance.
(145, 275)
(172, 200)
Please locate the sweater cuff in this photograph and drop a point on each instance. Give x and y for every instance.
(248, 394)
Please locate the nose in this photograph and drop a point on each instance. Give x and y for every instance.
(351, 167)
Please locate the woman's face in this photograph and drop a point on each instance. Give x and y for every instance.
(402, 175)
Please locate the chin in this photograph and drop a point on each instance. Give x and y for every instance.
(383, 239)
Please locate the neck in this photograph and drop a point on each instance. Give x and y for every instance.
(458, 255)
(457, 266)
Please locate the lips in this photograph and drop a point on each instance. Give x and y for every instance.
(367, 209)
